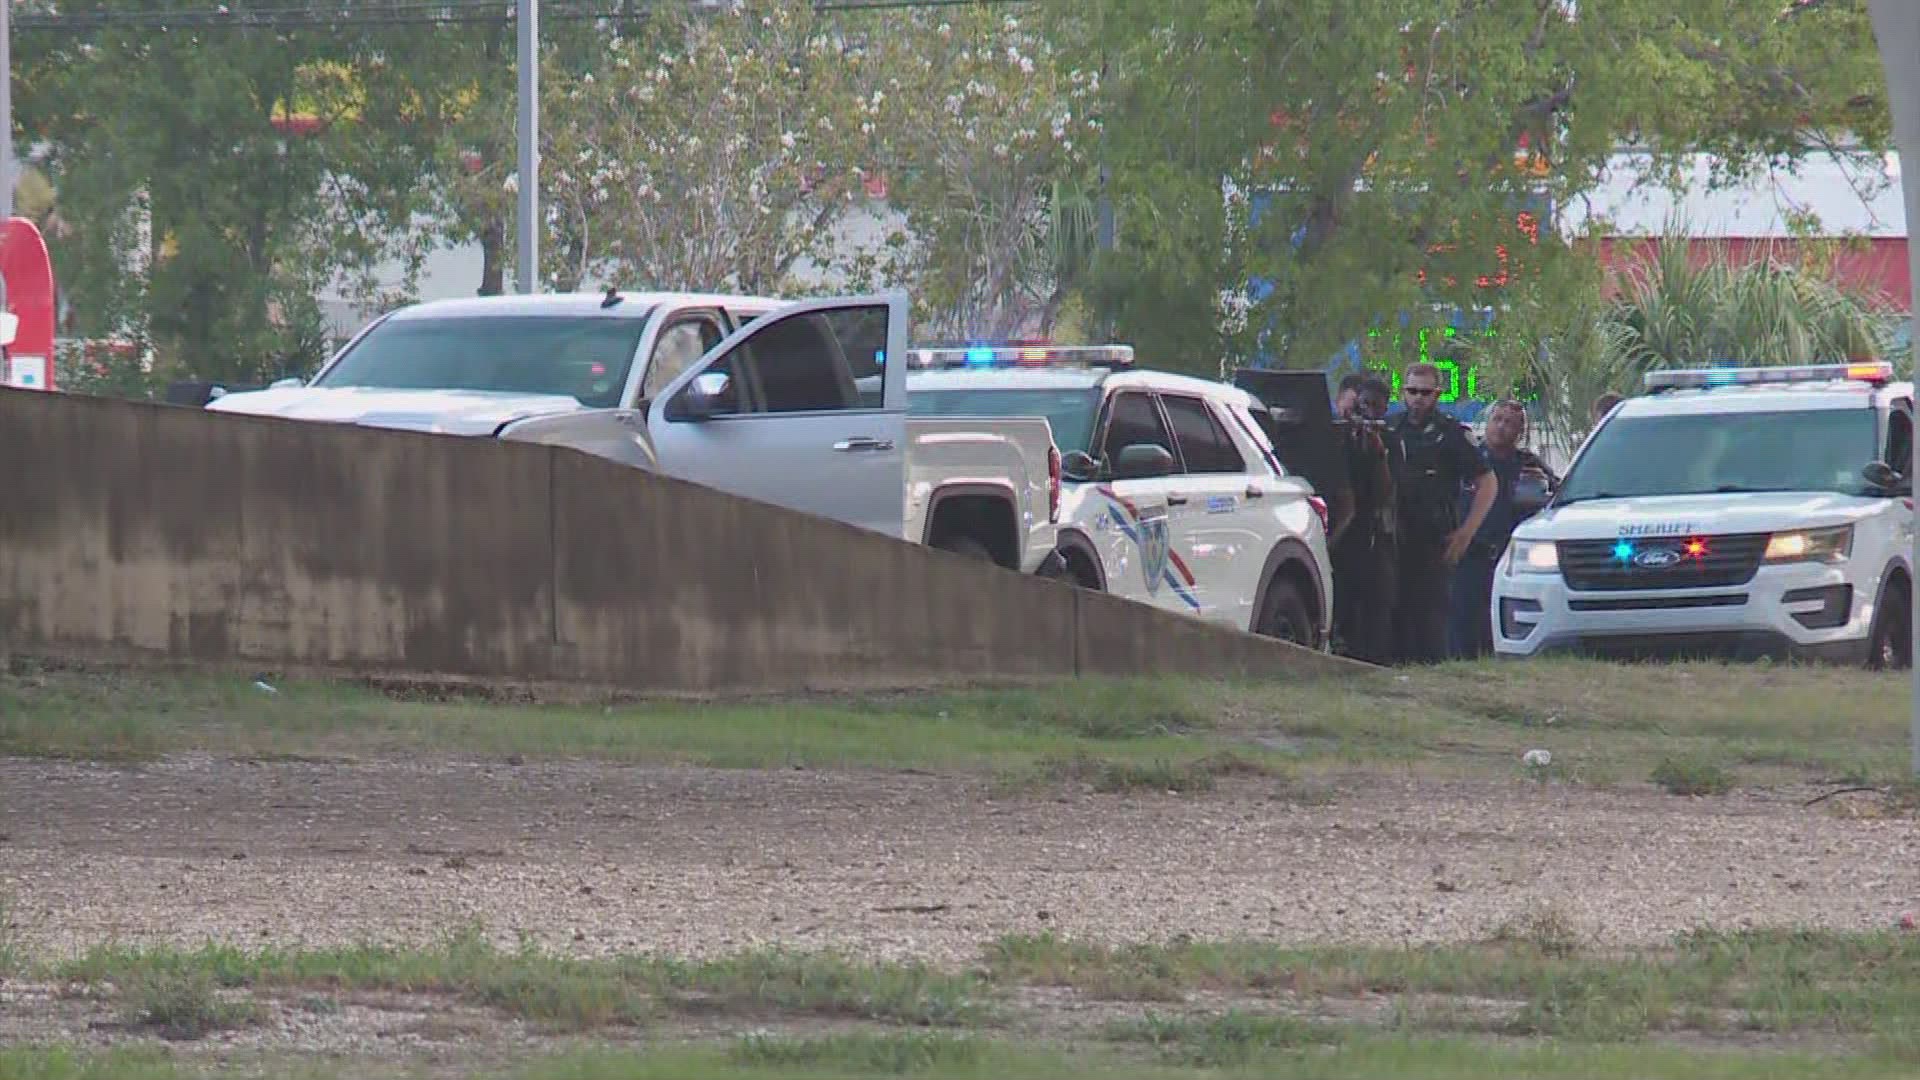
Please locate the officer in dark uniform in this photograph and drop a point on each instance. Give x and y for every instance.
(1437, 459)
(1470, 631)
(1363, 550)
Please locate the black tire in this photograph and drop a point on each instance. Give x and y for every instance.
(964, 545)
(1891, 647)
(1072, 570)
(1285, 615)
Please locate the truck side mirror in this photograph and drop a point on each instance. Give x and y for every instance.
(1886, 478)
(1142, 461)
(1079, 465)
(702, 399)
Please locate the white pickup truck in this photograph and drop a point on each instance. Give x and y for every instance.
(800, 405)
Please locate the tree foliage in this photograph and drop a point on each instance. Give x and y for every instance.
(987, 127)
(712, 150)
(209, 189)
(1335, 149)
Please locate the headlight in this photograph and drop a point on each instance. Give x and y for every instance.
(1533, 557)
(1811, 545)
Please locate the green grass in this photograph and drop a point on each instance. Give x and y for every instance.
(1358, 1057)
(1602, 722)
(1695, 778)
(1768, 981)
(183, 1003)
(567, 992)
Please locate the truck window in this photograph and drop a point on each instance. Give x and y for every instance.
(802, 363)
(583, 357)
(1134, 421)
(677, 347)
(1204, 444)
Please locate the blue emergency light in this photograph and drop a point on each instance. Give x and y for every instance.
(1876, 372)
(1022, 356)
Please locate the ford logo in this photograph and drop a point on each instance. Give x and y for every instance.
(1656, 558)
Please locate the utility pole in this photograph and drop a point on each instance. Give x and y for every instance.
(6, 109)
(1896, 23)
(529, 216)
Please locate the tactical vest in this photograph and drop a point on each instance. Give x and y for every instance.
(1429, 494)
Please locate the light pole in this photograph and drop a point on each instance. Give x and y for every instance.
(1896, 25)
(529, 215)
(6, 109)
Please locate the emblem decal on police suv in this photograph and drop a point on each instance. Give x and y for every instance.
(1656, 558)
(1155, 546)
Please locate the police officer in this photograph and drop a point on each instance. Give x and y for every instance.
(1363, 551)
(1471, 630)
(1436, 460)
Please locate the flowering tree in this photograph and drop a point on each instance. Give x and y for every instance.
(989, 131)
(715, 151)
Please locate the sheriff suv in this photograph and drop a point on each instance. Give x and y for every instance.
(1733, 511)
(1171, 494)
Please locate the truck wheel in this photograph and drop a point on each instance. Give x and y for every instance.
(1285, 614)
(1892, 644)
(964, 545)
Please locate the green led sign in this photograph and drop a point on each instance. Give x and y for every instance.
(1383, 353)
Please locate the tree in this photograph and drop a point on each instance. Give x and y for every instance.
(986, 129)
(1331, 150)
(210, 192)
(714, 150)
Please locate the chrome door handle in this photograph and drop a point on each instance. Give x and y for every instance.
(1174, 499)
(1254, 492)
(862, 442)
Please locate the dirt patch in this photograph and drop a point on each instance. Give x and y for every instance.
(599, 858)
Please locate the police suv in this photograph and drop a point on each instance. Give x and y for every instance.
(1742, 511)
(1171, 494)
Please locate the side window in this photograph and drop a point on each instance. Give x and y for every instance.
(1900, 441)
(1134, 421)
(678, 347)
(1204, 444)
(805, 363)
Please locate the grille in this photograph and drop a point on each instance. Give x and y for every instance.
(1590, 565)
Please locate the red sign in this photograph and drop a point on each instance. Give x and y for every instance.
(29, 277)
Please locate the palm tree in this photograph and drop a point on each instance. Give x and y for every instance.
(1675, 310)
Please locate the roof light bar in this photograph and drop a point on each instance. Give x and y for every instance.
(1005, 356)
(1693, 378)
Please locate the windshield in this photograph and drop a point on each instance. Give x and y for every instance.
(582, 357)
(1070, 412)
(1810, 450)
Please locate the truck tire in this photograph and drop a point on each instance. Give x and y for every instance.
(1285, 614)
(964, 545)
(1891, 646)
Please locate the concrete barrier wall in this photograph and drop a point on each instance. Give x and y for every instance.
(149, 531)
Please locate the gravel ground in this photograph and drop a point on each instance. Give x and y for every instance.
(595, 858)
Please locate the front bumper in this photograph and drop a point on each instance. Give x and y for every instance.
(1803, 611)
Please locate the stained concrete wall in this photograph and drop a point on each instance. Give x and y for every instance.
(135, 530)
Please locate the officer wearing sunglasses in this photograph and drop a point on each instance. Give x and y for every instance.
(1437, 461)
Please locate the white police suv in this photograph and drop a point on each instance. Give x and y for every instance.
(1729, 511)
(1171, 493)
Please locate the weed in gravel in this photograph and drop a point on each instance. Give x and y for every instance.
(890, 1054)
(1226, 1040)
(569, 992)
(183, 1003)
(12, 959)
(1692, 778)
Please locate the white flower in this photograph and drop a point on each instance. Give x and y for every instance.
(511, 184)
(944, 30)
(787, 140)
(1026, 65)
